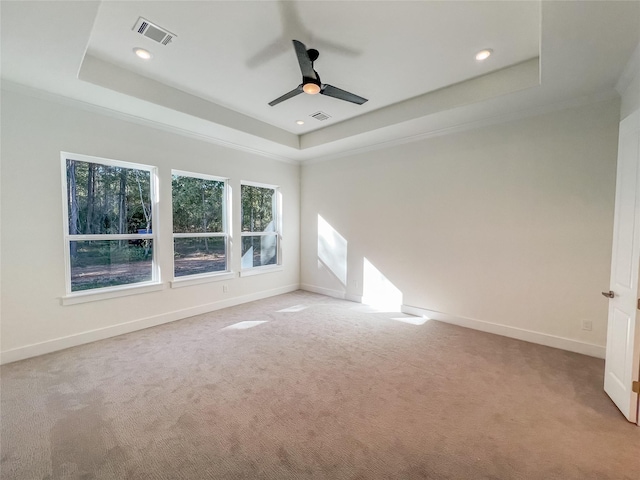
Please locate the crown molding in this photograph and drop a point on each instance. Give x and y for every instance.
(605, 95)
(602, 96)
(22, 89)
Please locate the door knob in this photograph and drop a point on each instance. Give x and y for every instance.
(608, 294)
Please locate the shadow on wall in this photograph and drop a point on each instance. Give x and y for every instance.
(377, 290)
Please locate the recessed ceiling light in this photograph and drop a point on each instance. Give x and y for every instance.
(300, 122)
(142, 53)
(483, 54)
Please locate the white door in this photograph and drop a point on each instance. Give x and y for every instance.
(623, 331)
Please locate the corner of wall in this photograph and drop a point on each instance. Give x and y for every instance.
(628, 85)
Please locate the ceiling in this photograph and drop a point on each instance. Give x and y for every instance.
(240, 54)
(414, 61)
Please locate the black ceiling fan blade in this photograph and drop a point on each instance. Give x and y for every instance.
(287, 96)
(336, 92)
(306, 65)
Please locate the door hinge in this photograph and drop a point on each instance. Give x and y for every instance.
(635, 387)
(639, 304)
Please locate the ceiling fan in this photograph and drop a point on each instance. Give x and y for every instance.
(311, 83)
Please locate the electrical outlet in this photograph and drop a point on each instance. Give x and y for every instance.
(587, 325)
(225, 288)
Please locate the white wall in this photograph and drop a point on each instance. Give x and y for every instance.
(509, 224)
(629, 86)
(34, 131)
(631, 97)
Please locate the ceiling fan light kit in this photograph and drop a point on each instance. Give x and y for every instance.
(311, 83)
(311, 88)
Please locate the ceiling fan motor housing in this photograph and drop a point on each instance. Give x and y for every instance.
(313, 54)
(315, 81)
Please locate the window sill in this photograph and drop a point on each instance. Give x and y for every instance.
(261, 270)
(89, 296)
(187, 281)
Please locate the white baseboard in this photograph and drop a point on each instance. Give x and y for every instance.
(331, 293)
(353, 298)
(512, 332)
(62, 343)
(546, 339)
(324, 291)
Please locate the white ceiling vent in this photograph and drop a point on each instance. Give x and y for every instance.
(320, 116)
(153, 31)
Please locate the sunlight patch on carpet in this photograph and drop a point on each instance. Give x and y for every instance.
(365, 309)
(295, 308)
(244, 325)
(412, 320)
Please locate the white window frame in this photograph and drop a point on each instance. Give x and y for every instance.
(277, 213)
(118, 290)
(186, 280)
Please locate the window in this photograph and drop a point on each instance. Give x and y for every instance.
(260, 225)
(109, 211)
(200, 234)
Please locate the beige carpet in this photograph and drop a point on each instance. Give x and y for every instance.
(326, 390)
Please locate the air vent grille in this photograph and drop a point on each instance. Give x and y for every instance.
(153, 31)
(320, 116)
(143, 27)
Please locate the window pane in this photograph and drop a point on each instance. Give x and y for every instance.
(194, 256)
(198, 205)
(104, 199)
(257, 209)
(107, 263)
(259, 250)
